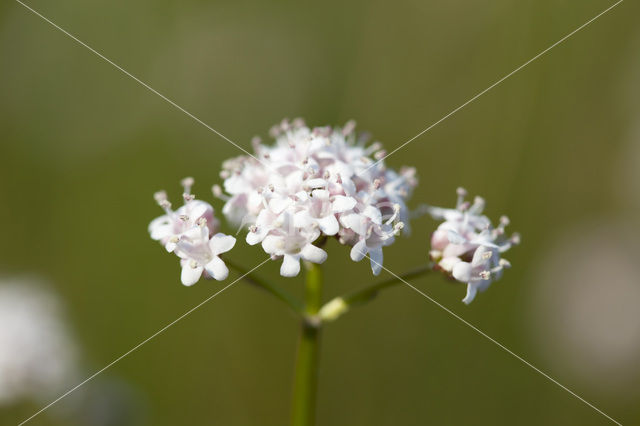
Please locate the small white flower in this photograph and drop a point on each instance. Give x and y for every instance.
(316, 183)
(168, 227)
(189, 233)
(467, 247)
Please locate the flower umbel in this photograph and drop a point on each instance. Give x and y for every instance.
(467, 247)
(315, 183)
(190, 233)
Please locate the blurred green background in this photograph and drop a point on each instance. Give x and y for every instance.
(556, 147)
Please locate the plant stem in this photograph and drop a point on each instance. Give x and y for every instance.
(306, 370)
(275, 291)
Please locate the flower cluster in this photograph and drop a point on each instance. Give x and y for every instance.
(312, 184)
(467, 247)
(190, 233)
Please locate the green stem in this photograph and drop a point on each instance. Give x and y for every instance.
(340, 305)
(306, 371)
(275, 291)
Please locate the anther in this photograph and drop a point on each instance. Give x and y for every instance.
(187, 183)
(160, 196)
(504, 263)
(380, 154)
(485, 275)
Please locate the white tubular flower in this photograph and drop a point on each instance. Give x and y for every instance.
(189, 232)
(467, 247)
(316, 183)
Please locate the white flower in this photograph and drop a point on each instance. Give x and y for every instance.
(189, 233)
(312, 184)
(467, 247)
(168, 227)
(37, 354)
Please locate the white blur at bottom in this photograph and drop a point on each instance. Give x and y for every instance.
(37, 354)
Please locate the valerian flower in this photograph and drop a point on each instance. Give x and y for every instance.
(191, 233)
(467, 247)
(312, 184)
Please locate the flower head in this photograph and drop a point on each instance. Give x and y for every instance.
(190, 233)
(467, 247)
(314, 183)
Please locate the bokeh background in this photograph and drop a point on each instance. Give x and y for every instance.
(556, 147)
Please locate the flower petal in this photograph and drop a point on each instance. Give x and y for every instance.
(273, 244)
(462, 271)
(358, 251)
(329, 224)
(290, 266)
(471, 294)
(313, 254)
(160, 228)
(221, 243)
(254, 238)
(279, 204)
(375, 256)
(217, 269)
(342, 204)
(190, 275)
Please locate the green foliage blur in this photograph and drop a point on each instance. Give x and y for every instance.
(84, 147)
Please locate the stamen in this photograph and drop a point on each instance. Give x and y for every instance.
(348, 127)
(461, 194)
(504, 263)
(160, 196)
(380, 154)
(217, 192)
(485, 275)
(187, 183)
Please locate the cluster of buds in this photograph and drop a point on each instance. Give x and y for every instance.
(191, 233)
(467, 247)
(312, 184)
